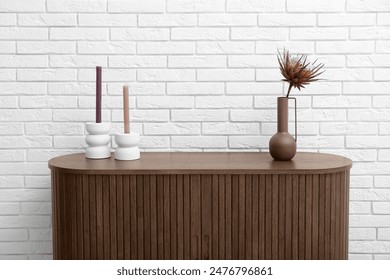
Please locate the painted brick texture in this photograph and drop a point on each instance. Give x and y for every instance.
(203, 76)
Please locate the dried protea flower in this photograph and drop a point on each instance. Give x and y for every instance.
(297, 71)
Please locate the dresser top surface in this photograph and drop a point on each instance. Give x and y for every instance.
(203, 163)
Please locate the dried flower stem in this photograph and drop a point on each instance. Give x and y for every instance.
(297, 71)
(289, 89)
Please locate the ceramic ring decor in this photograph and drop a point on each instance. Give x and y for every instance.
(239, 205)
(94, 141)
(98, 141)
(127, 146)
(98, 128)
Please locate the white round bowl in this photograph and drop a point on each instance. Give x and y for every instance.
(98, 128)
(127, 146)
(97, 140)
(127, 139)
(132, 153)
(100, 152)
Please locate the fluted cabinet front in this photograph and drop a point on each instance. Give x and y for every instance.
(222, 216)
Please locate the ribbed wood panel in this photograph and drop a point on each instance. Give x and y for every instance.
(239, 216)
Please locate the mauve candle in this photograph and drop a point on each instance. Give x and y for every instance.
(126, 109)
(98, 94)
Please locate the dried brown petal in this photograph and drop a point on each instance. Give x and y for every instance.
(297, 71)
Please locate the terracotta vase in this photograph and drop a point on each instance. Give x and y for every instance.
(283, 146)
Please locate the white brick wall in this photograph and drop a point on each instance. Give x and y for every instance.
(203, 76)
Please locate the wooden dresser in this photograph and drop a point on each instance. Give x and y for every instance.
(201, 206)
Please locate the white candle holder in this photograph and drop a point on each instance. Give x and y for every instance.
(98, 141)
(127, 146)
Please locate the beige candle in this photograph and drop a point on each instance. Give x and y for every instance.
(126, 109)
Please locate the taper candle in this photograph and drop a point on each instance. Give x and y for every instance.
(126, 109)
(98, 94)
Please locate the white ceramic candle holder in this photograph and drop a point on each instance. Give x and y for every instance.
(98, 141)
(127, 146)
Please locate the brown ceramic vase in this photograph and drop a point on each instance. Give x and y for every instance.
(283, 146)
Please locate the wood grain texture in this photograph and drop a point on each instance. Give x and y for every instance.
(200, 216)
(203, 163)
